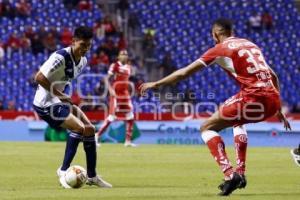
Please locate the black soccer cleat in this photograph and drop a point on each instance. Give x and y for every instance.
(242, 185)
(243, 182)
(231, 185)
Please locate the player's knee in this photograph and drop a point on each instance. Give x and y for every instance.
(206, 126)
(89, 130)
(79, 129)
(203, 128)
(93, 129)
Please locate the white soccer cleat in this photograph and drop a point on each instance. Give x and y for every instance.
(296, 155)
(129, 144)
(61, 177)
(60, 172)
(63, 183)
(98, 181)
(98, 144)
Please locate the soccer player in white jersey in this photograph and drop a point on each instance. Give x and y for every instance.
(57, 109)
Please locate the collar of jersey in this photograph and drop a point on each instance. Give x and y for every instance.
(120, 63)
(229, 38)
(73, 57)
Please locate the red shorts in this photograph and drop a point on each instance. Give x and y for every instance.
(244, 108)
(120, 107)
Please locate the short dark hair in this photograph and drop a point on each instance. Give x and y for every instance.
(83, 32)
(122, 50)
(225, 24)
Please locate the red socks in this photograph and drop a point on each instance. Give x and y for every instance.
(103, 127)
(240, 144)
(129, 128)
(217, 149)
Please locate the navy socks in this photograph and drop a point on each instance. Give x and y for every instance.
(89, 145)
(71, 148)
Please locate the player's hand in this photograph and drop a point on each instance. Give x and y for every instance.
(146, 86)
(286, 123)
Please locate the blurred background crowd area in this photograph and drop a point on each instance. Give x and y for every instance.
(161, 36)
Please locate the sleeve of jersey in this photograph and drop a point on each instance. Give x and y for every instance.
(54, 63)
(112, 69)
(210, 56)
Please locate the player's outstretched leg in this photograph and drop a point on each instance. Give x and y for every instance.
(129, 129)
(240, 144)
(217, 149)
(91, 160)
(71, 148)
(104, 126)
(102, 129)
(216, 146)
(76, 129)
(89, 145)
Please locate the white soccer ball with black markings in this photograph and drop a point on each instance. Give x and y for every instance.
(76, 176)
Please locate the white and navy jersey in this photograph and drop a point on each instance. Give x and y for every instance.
(59, 69)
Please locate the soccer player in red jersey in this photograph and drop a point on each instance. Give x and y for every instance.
(258, 99)
(120, 106)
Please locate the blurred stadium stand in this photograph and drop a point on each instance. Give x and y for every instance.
(182, 28)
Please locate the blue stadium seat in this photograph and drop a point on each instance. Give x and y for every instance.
(184, 29)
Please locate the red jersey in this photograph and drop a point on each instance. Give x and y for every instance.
(244, 61)
(121, 77)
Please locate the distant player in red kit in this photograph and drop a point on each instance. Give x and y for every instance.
(120, 106)
(258, 99)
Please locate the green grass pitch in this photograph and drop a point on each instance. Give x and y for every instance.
(28, 171)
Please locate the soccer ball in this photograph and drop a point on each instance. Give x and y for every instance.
(76, 176)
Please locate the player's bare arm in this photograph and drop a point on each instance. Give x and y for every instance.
(174, 77)
(108, 80)
(45, 83)
(280, 115)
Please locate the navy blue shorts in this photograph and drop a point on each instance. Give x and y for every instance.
(54, 115)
